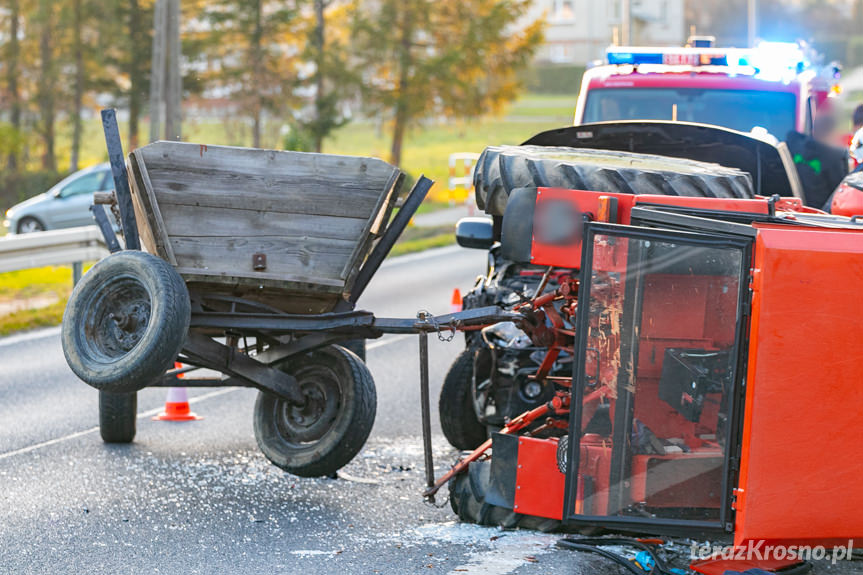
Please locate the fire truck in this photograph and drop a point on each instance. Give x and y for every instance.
(774, 87)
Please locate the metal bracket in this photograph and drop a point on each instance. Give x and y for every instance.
(105, 227)
(232, 362)
(121, 179)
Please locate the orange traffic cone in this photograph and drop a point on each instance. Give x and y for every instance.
(455, 304)
(177, 407)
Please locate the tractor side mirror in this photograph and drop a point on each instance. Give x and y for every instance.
(474, 233)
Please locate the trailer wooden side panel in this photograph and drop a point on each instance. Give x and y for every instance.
(239, 220)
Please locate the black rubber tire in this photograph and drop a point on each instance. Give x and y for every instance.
(358, 346)
(36, 225)
(501, 169)
(467, 499)
(118, 414)
(152, 302)
(344, 433)
(455, 405)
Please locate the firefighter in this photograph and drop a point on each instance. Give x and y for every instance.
(855, 150)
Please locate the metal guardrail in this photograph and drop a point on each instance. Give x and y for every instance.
(57, 247)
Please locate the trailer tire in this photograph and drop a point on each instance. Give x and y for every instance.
(467, 492)
(126, 321)
(358, 346)
(316, 440)
(458, 418)
(501, 169)
(118, 415)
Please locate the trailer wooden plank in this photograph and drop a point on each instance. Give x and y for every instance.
(207, 222)
(286, 256)
(151, 206)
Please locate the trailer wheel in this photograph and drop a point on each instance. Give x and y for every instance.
(458, 418)
(125, 322)
(322, 436)
(358, 346)
(118, 414)
(467, 497)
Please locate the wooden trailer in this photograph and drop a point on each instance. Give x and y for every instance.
(251, 265)
(289, 229)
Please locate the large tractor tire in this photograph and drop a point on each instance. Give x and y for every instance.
(467, 492)
(126, 321)
(456, 406)
(322, 436)
(501, 169)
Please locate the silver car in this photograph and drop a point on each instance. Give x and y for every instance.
(66, 205)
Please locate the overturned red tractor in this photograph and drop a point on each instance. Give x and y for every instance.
(715, 387)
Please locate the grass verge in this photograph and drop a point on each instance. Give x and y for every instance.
(32, 318)
(46, 282)
(35, 282)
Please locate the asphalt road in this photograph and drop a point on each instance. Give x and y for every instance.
(200, 498)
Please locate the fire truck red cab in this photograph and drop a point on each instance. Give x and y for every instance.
(773, 87)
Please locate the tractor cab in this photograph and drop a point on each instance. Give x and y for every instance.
(659, 330)
(714, 381)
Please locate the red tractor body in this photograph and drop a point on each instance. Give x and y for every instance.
(716, 384)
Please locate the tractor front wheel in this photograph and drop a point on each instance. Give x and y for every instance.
(467, 492)
(458, 418)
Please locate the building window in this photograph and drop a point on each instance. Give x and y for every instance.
(563, 10)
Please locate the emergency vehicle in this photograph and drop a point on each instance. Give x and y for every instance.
(775, 86)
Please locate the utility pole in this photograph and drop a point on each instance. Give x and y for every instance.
(626, 22)
(752, 21)
(174, 96)
(165, 81)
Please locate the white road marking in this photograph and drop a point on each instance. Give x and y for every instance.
(30, 336)
(77, 434)
(387, 341)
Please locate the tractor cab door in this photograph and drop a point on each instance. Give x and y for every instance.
(660, 324)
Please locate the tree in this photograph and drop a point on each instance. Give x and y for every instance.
(333, 78)
(47, 83)
(253, 60)
(456, 58)
(138, 64)
(12, 55)
(78, 99)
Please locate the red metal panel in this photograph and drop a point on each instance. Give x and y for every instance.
(802, 457)
(586, 202)
(752, 206)
(539, 484)
(606, 77)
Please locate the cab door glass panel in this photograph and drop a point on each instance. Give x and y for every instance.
(658, 375)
